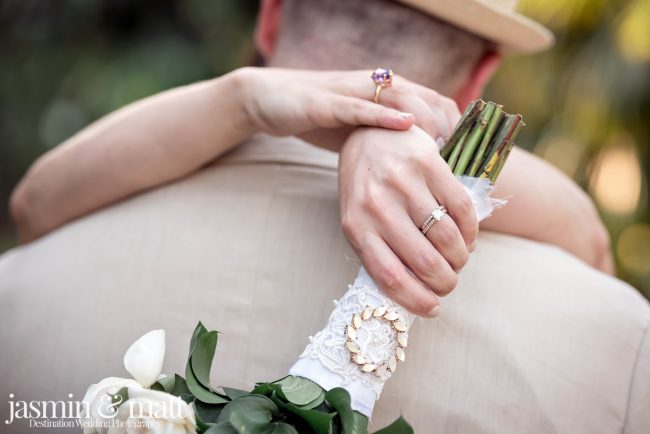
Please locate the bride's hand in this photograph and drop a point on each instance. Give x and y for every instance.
(389, 183)
(323, 106)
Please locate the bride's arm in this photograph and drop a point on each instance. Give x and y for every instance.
(172, 134)
(545, 205)
(153, 141)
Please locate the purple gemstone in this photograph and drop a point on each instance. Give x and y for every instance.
(381, 76)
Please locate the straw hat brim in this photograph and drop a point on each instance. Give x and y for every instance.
(512, 32)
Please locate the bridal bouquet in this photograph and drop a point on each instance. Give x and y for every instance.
(333, 386)
(155, 403)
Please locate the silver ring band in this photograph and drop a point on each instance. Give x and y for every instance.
(435, 216)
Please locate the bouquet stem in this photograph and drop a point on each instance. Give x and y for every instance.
(478, 133)
(456, 150)
(482, 141)
(495, 120)
(464, 124)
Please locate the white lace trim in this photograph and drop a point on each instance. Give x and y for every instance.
(376, 338)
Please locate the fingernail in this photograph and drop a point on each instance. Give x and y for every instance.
(472, 247)
(405, 115)
(434, 312)
(440, 142)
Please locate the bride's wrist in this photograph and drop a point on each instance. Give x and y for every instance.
(243, 81)
(230, 108)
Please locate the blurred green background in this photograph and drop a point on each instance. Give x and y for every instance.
(64, 64)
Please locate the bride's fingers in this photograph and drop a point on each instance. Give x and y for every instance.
(428, 106)
(451, 194)
(447, 239)
(356, 112)
(446, 108)
(444, 234)
(418, 254)
(431, 119)
(450, 108)
(395, 280)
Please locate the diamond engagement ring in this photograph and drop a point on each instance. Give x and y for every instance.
(435, 216)
(382, 78)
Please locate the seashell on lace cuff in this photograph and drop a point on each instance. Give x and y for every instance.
(361, 345)
(376, 349)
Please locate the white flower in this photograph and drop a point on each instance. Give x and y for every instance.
(145, 411)
(144, 359)
(97, 403)
(158, 412)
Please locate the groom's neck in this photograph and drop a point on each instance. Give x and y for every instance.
(420, 69)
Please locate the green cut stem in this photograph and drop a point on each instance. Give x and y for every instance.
(501, 162)
(506, 152)
(455, 153)
(478, 160)
(473, 139)
(508, 129)
(465, 123)
(482, 141)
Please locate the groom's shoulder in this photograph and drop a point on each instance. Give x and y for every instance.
(592, 327)
(550, 267)
(533, 327)
(547, 277)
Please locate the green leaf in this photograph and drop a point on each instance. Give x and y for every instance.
(202, 346)
(201, 425)
(234, 393)
(187, 397)
(249, 413)
(202, 356)
(120, 397)
(360, 422)
(200, 392)
(321, 423)
(164, 384)
(299, 390)
(400, 426)
(180, 386)
(323, 408)
(315, 403)
(278, 428)
(339, 399)
(157, 387)
(278, 380)
(209, 413)
(221, 428)
(265, 389)
(198, 331)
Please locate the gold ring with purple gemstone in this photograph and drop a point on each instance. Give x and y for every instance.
(382, 78)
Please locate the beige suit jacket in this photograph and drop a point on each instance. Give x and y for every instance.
(531, 341)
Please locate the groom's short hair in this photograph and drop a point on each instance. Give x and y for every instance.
(363, 34)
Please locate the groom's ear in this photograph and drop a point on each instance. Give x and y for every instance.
(268, 26)
(478, 78)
